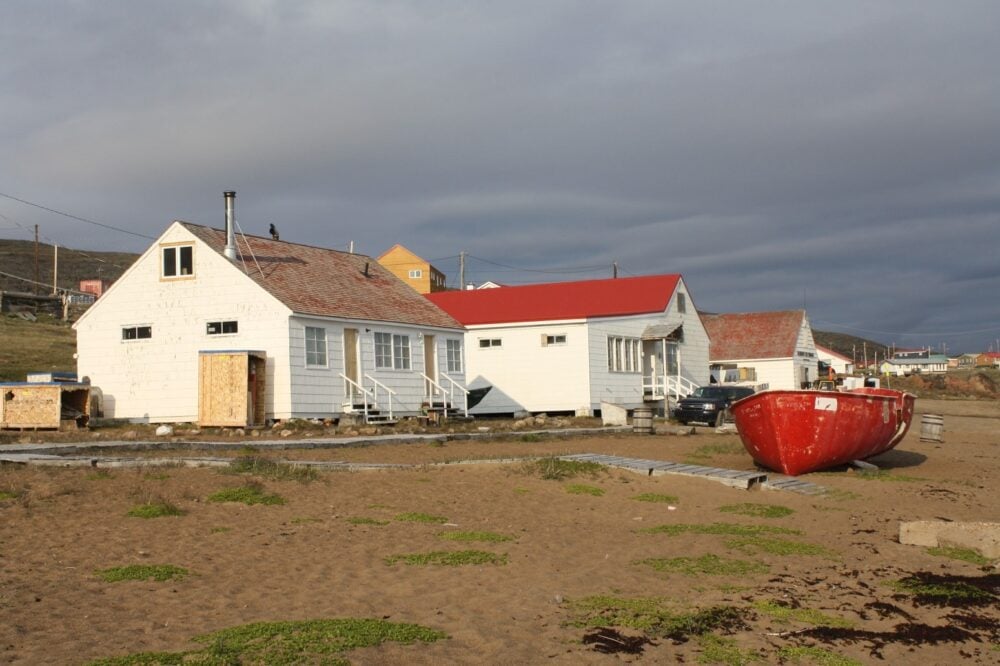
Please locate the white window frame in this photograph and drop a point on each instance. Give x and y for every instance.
(624, 354)
(319, 351)
(138, 331)
(392, 351)
(176, 270)
(219, 327)
(681, 302)
(453, 350)
(416, 273)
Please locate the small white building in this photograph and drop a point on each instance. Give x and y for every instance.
(568, 346)
(772, 349)
(337, 332)
(840, 363)
(905, 366)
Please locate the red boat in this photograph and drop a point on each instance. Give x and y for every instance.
(795, 432)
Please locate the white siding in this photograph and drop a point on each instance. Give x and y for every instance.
(156, 379)
(533, 376)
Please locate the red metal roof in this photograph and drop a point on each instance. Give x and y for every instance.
(559, 300)
(328, 283)
(753, 334)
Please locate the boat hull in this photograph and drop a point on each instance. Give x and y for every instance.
(795, 432)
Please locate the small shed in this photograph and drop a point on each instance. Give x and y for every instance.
(44, 405)
(231, 388)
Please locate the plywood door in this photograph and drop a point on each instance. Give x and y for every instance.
(352, 365)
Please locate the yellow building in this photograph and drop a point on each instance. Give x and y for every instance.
(412, 270)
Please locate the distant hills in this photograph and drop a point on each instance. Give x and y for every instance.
(17, 257)
(850, 346)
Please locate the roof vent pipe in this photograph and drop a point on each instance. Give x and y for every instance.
(230, 249)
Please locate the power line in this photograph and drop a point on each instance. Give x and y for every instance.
(41, 284)
(75, 217)
(908, 333)
(556, 271)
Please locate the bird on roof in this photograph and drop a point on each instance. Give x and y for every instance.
(274, 232)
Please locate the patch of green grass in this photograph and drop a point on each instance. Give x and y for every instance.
(8, 495)
(583, 489)
(782, 613)
(556, 469)
(269, 469)
(100, 475)
(159, 476)
(707, 451)
(885, 475)
(946, 591)
(221, 530)
(657, 498)
(302, 642)
(773, 546)
(654, 616)
(757, 510)
(157, 572)
(249, 494)
(446, 558)
(531, 438)
(796, 654)
(521, 491)
(364, 520)
(963, 554)
(416, 517)
(719, 650)
(155, 509)
(305, 520)
(707, 565)
(723, 529)
(487, 537)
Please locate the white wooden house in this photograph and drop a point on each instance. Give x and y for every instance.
(769, 349)
(337, 333)
(840, 363)
(568, 346)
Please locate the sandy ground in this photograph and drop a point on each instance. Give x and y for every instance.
(306, 560)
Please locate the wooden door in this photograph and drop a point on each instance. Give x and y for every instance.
(352, 364)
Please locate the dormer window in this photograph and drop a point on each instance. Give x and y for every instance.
(178, 261)
(681, 302)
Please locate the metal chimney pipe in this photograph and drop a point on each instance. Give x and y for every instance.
(230, 249)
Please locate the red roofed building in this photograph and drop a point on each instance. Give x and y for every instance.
(770, 349)
(568, 346)
(319, 333)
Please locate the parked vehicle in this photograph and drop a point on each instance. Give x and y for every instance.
(709, 404)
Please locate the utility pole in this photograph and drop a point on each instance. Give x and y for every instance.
(614, 269)
(35, 287)
(55, 269)
(461, 270)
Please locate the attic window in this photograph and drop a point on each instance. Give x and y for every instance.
(486, 343)
(137, 332)
(178, 261)
(681, 302)
(416, 273)
(221, 327)
(548, 340)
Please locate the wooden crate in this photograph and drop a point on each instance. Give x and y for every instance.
(41, 406)
(231, 388)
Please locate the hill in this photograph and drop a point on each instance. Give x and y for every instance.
(850, 346)
(17, 257)
(39, 346)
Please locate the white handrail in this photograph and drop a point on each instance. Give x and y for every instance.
(430, 393)
(447, 396)
(362, 389)
(378, 385)
(465, 395)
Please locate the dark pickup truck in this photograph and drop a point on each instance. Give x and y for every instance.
(708, 404)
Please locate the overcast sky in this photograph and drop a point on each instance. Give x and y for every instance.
(842, 156)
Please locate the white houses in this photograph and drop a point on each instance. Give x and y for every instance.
(775, 349)
(568, 346)
(337, 333)
(840, 363)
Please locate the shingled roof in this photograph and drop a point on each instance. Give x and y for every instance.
(753, 334)
(316, 281)
(559, 300)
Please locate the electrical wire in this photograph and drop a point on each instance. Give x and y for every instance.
(909, 333)
(75, 217)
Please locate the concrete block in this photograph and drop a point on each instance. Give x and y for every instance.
(613, 415)
(982, 537)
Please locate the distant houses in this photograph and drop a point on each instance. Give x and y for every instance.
(413, 270)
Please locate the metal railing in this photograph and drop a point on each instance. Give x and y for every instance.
(388, 391)
(432, 388)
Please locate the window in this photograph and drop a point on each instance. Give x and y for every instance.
(559, 339)
(315, 346)
(681, 302)
(392, 351)
(624, 354)
(454, 355)
(221, 328)
(137, 332)
(416, 273)
(178, 261)
(485, 343)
